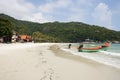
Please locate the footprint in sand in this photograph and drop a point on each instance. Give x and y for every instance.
(41, 54)
(50, 73)
(43, 78)
(44, 61)
(41, 58)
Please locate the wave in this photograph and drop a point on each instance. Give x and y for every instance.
(111, 53)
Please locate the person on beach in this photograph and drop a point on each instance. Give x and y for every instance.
(69, 46)
(80, 47)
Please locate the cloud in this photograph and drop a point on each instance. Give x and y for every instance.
(69, 10)
(102, 15)
(36, 17)
(51, 6)
(21, 9)
(51, 10)
(16, 8)
(79, 10)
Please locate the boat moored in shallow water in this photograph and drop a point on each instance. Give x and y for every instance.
(95, 49)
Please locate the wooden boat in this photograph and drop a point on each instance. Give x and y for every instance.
(94, 49)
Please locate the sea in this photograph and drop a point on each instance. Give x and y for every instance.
(109, 57)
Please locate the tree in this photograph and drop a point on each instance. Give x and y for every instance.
(6, 29)
(21, 30)
(39, 37)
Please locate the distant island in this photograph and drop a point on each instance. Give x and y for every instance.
(57, 31)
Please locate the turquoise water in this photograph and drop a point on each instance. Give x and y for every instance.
(114, 48)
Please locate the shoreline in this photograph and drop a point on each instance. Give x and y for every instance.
(46, 61)
(105, 72)
(107, 58)
(63, 54)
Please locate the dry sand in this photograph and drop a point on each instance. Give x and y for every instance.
(46, 61)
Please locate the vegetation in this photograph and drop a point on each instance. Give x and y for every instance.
(39, 37)
(6, 29)
(63, 32)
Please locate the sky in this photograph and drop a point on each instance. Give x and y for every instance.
(105, 13)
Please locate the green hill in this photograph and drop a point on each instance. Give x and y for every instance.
(65, 32)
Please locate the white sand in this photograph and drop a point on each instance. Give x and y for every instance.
(31, 61)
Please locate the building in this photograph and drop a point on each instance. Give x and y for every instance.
(26, 38)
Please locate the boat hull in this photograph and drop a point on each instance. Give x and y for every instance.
(97, 50)
(88, 50)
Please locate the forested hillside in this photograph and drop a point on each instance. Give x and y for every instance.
(63, 32)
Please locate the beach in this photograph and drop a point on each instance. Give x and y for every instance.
(46, 61)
